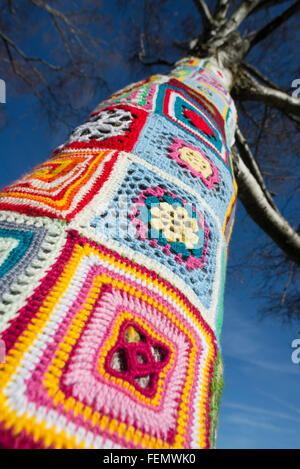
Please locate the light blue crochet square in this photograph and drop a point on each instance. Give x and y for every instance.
(120, 221)
(155, 146)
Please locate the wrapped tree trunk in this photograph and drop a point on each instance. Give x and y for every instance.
(112, 268)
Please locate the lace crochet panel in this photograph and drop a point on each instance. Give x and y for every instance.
(105, 124)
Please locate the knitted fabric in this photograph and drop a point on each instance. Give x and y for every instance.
(112, 269)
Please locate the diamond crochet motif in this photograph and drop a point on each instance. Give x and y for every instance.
(137, 358)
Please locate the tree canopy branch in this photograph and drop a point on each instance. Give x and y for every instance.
(248, 88)
(204, 11)
(264, 4)
(258, 207)
(224, 28)
(241, 13)
(141, 55)
(274, 24)
(221, 10)
(25, 57)
(258, 74)
(252, 164)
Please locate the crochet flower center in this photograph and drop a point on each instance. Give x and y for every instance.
(196, 161)
(175, 224)
(169, 222)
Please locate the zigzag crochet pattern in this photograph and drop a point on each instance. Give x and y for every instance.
(112, 271)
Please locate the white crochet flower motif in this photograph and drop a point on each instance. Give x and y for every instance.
(175, 223)
(106, 124)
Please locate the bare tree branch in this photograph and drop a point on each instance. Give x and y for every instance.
(241, 13)
(248, 114)
(258, 74)
(261, 132)
(17, 71)
(248, 88)
(251, 163)
(290, 277)
(203, 9)
(54, 12)
(264, 4)
(221, 10)
(258, 207)
(76, 32)
(38, 74)
(294, 119)
(159, 61)
(273, 25)
(218, 36)
(63, 37)
(10, 7)
(142, 55)
(278, 99)
(26, 57)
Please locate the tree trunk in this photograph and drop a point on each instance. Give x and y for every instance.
(112, 267)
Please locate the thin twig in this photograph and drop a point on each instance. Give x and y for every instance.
(203, 9)
(290, 277)
(252, 164)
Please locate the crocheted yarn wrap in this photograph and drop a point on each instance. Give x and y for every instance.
(112, 269)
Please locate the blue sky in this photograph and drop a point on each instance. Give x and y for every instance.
(260, 404)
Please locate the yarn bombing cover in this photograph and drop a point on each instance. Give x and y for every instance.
(112, 270)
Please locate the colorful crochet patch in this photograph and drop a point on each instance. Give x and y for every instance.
(202, 72)
(116, 127)
(141, 94)
(167, 146)
(62, 385)
(28, 246)
(229, 219)
(175, 105)
(202, 101)
(61, 186)
(137, 357)
(206, 80)
(167, 220)
(195, 161)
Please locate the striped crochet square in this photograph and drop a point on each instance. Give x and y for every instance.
(107, 354)
(176, 105)
(28, 246)
(61, 186)
(204, 82)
